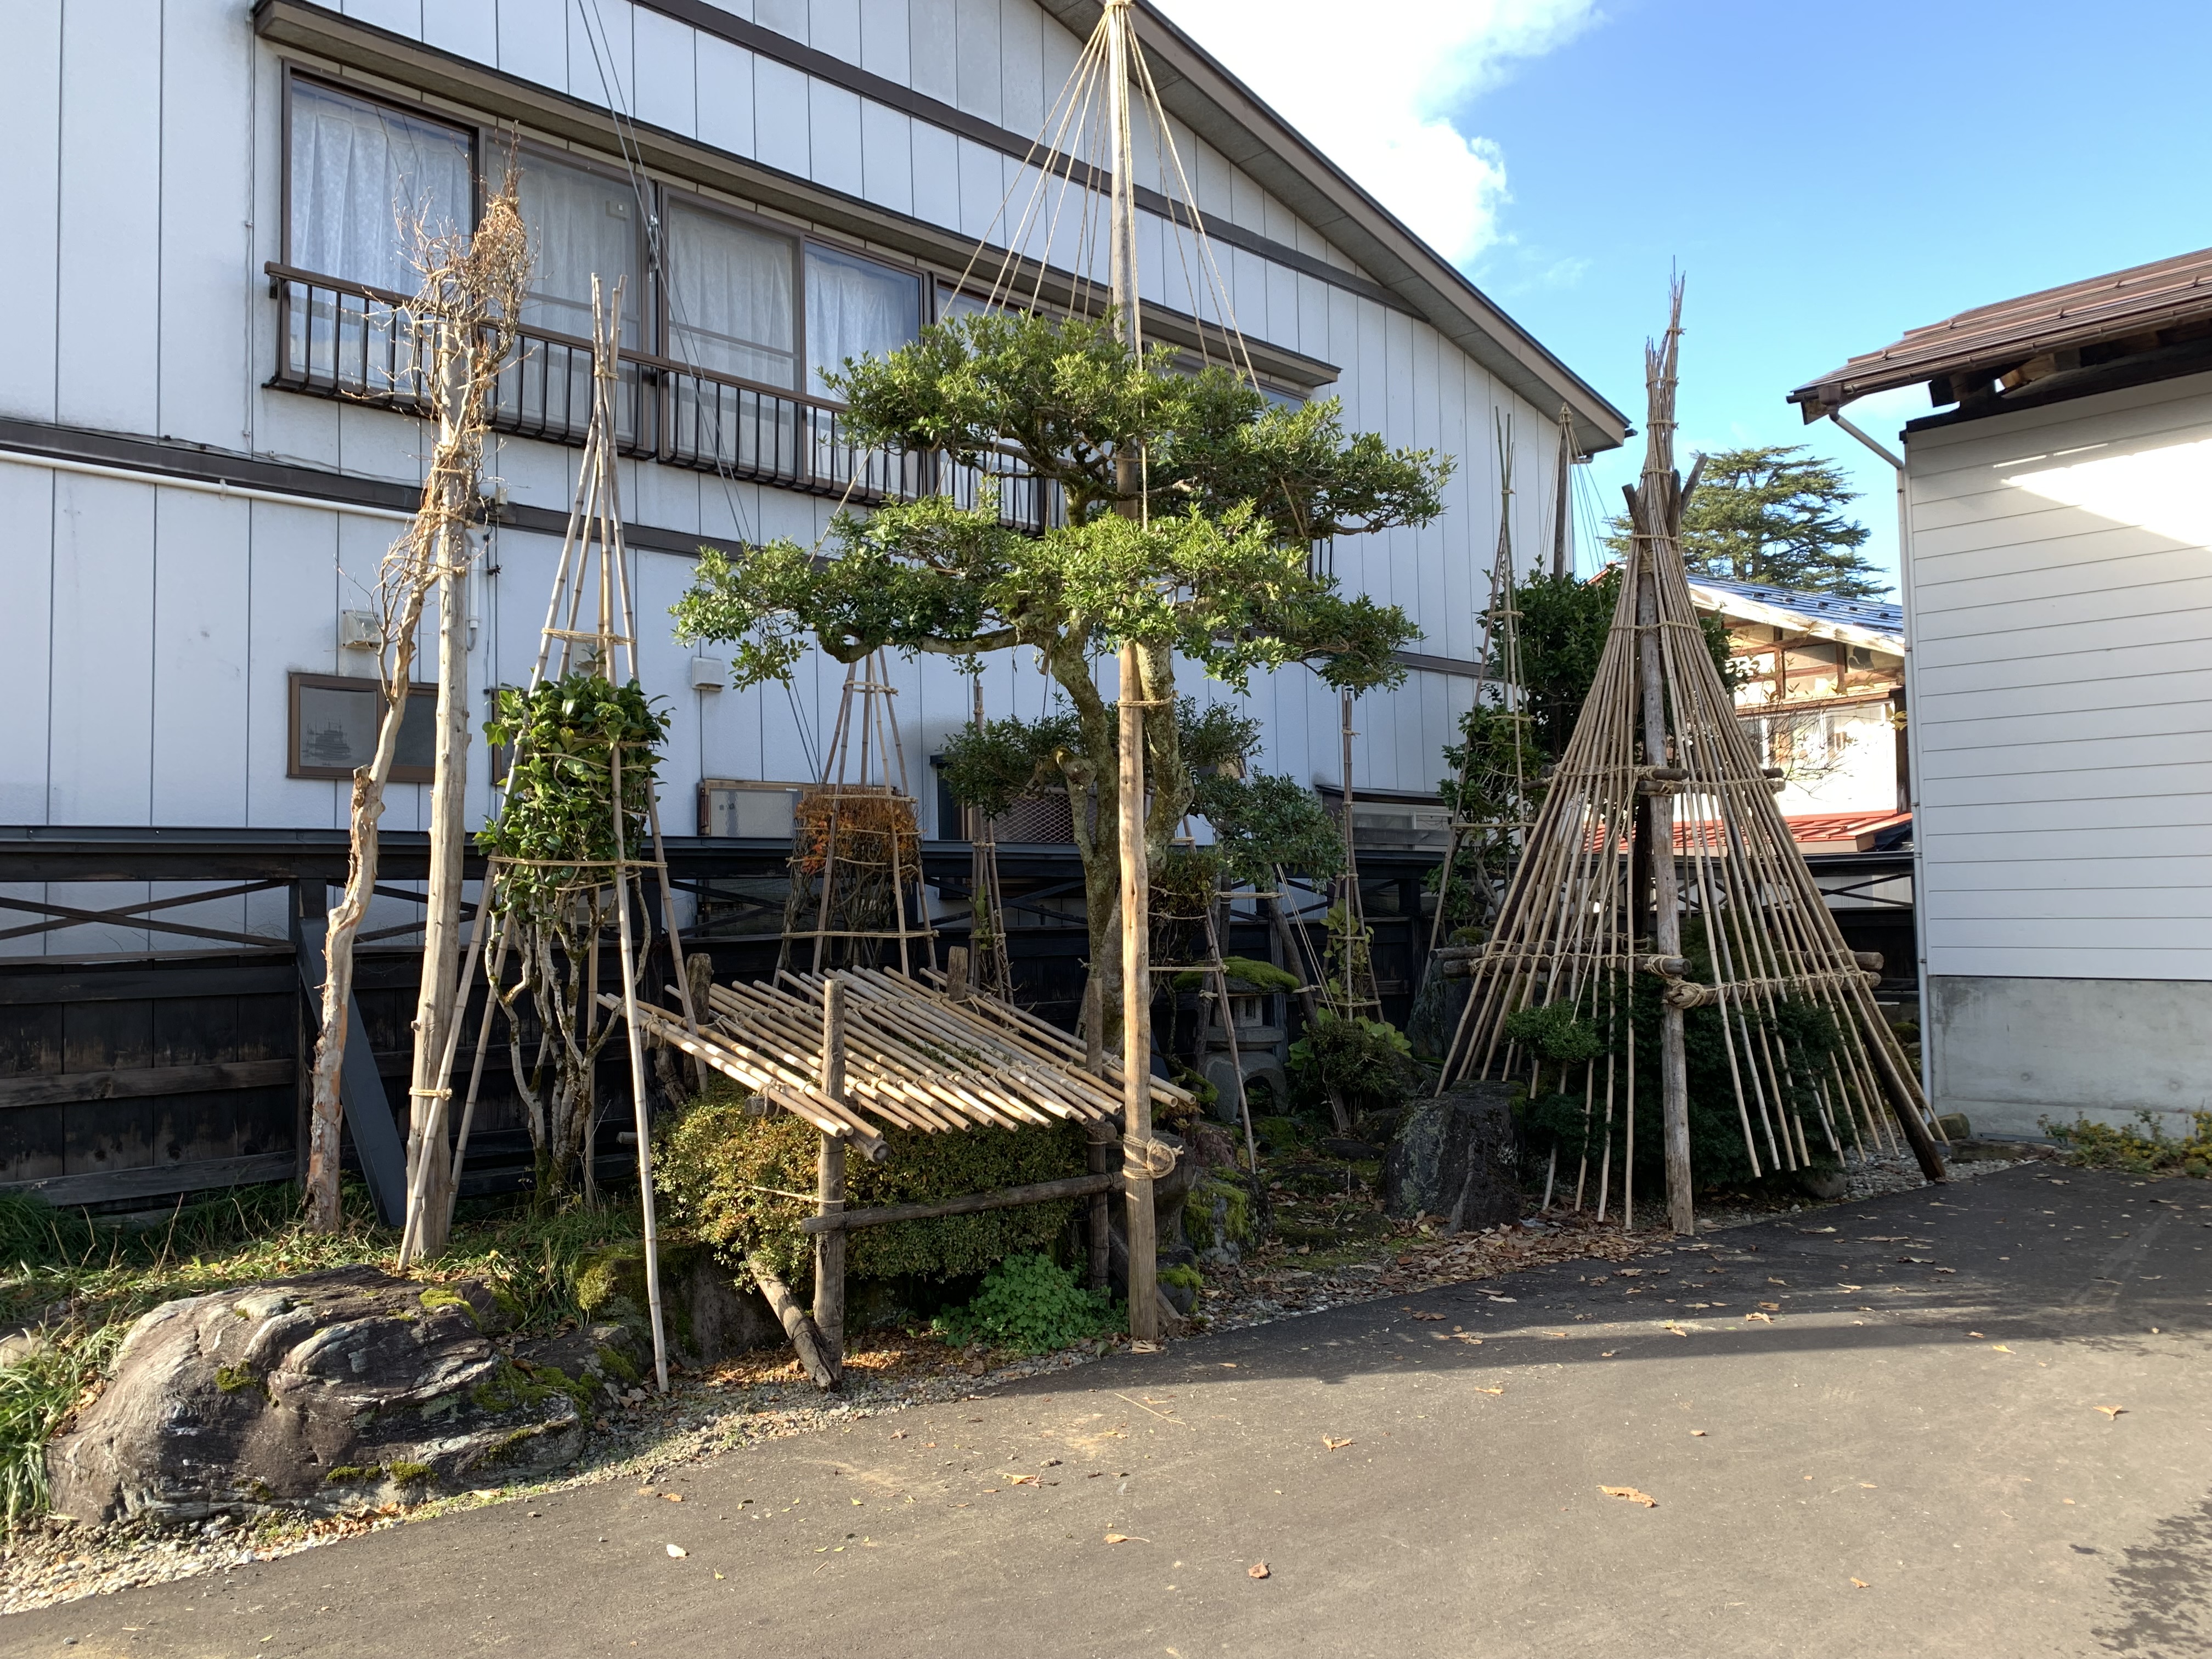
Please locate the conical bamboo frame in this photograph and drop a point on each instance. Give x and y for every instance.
(863, 776)
(1568, 930)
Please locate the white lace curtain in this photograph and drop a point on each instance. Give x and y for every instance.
(362, 178)
(856, 309)
(580, 225)
(730, 298)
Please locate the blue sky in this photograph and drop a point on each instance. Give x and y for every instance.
(1827, 175)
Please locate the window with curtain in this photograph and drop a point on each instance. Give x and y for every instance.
(732, 292)
(363, 176)
(581, 225)
(856, 309)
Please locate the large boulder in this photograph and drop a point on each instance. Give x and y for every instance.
(1456, 1156)
(332, 1391)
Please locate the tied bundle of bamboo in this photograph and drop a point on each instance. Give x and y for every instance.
(1609, 873)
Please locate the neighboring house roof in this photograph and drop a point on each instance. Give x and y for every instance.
(1841, 832)
(1227, 114)
(2010, 337)
(1874, 624)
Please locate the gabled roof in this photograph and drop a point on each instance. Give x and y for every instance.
(1875, 624)
(1980, 345)
(1235, 121)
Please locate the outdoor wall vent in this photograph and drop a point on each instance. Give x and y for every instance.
(709, 674)
(361, 631)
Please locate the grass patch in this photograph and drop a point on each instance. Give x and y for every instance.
(85, 1282)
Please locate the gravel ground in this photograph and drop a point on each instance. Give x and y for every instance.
(759, 1397)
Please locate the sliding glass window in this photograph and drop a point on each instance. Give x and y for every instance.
(856, 309)
(731, 297)
(367, 182)
(582, 224)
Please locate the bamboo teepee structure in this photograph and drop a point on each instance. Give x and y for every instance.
(856, 878)
(1659, 852)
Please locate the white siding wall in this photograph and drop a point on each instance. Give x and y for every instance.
(2061, 605)
(145, 178)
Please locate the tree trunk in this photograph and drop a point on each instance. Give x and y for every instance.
(326, 1110)
(434, 1002)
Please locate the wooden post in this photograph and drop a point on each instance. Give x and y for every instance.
(1666, 921)
(830, 1189)
(1137, 1013)
(1563, 557)
(957, 984)
(1099, 1157)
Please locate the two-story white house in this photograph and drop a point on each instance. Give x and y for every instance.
(205, 447)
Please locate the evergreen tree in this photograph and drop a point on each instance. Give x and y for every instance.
(1772, 515)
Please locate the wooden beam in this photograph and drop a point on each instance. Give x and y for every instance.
(1007, 1197)
(158, 1180)
(136, 1083)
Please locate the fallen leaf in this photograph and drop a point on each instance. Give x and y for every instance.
(1947, 1270)
(1428, 1316)
(1124, 1538)
(1999, 1347)
(1334, 1445)
(1021, 1479)
(2111, 1411)
(1860, 1583)
(1608, 1353)
(673, 1496)
(1869, 1486)
(1629, 1494)
(718, 1575)
(1696, 1434)
(1772, 1307)
(1484, 1391)
(1257, 1570)
(1977, 1335)
(1766, 1319)
(1505, 1299)
(678, 1551)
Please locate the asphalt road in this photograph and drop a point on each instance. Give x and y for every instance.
(1907, 1456)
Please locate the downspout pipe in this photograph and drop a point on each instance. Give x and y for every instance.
(1912, 751)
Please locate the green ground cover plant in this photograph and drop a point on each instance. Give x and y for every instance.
(2143, 1147)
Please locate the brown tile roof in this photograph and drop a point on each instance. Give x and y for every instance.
(1995, 338)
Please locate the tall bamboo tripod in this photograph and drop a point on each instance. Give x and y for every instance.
(594, 568)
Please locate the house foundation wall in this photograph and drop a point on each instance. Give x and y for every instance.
(2010, 1052)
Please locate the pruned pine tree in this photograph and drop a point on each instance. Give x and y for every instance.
(1206, 554)
(462, 322)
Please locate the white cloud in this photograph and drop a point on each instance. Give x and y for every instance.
(1374, 87)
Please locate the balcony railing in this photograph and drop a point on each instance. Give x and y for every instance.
(344, 340)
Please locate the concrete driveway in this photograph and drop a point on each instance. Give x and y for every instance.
(1878, 1429)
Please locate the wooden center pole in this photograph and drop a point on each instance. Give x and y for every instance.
(1666, 921)
(830, 1188)
(1136, 953)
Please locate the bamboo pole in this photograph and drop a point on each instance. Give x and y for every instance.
(634, 1035)
(830, 1189)
(1098, 1152)
(1006, 1198)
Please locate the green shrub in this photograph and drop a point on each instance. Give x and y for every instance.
(2143, 1147)
(738, 1184)
(1369, 1060)
(1561, 1113)
(1029, 1304)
